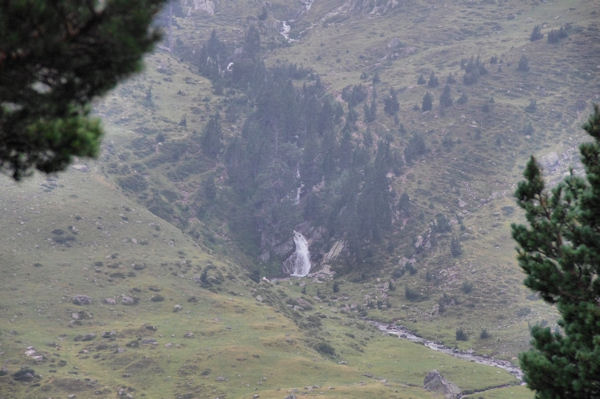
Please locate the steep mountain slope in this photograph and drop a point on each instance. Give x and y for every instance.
(102, 298)
(446, 248)
(419, 199)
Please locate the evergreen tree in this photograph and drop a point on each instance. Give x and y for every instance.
(560, 253)
(536, 33)
(523, 64)
(212, 140)
(390, 103)
(446, 97)
(433, 81)
(55, 58)
(427, 102)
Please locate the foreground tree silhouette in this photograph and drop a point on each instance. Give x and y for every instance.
(560, 253)
(56, 57)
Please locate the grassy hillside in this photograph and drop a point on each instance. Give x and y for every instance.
(184, 335)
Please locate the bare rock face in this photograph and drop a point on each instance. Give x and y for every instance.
(435, 382)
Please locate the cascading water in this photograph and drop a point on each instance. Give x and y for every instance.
(298, 264)
(299, 188)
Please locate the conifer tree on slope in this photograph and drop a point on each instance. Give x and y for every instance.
(55, 57)
(560, 253)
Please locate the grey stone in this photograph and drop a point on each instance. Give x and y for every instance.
(81, 300)
(127, 300)
(435, 382)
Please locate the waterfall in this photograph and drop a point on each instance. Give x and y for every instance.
(298, 264)
(285, 31)
(299, 188)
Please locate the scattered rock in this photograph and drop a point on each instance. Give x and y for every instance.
(81, 300)
(33, 354)
(109, 301)
(220, 379)
(259, 298)
(188, 335)
(109, 334)
(86, 337)
(435, 382)
(82, 315)
(157, 298)
(177, 308)
(128, 301)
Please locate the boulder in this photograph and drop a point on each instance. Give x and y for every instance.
(435, 382)
(127, 300)
(81, 300)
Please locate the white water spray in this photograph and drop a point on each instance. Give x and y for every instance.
(285, 31)
(299, 188)
(298, 264)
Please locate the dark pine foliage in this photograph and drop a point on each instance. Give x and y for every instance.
(559, 250)
(55, 58)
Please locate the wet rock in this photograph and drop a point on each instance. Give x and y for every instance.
(435, 382)
(81, 300)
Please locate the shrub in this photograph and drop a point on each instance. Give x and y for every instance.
(462, 99)
(411, 294)
(336, 286)
(484, 334)
(398, 272)
(532, 107)
(461, 335)
(325, 349)
(467, 287)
